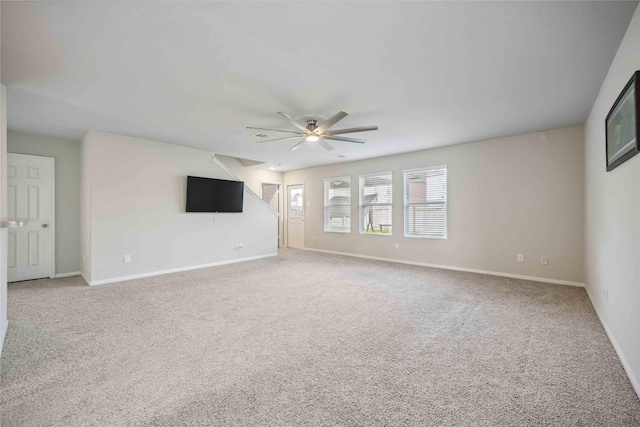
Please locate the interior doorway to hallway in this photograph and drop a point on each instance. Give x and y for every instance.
(271, 194)
(295, 216)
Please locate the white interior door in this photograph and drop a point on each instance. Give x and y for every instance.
(295, 217)
(30, 184)
(271, 195)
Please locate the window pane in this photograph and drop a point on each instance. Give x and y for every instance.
(425, 203)
(376, 189)
(297, 207)
(337, 204)
(375, 204)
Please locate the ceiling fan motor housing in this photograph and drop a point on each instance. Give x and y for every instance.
(312, 125)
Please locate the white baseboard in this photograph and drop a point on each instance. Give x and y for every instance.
(173, 270)
(73, 273)
(3, 333)
(627, 367)
(448, 267)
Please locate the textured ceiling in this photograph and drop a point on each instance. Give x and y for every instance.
(428, 74)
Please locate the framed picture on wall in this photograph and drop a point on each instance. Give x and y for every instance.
(623, 125)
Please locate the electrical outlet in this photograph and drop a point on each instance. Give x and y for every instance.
(520, 257)
(397, 245)
(606, 294)
(126, 258)
(544, 260)
(241, 245)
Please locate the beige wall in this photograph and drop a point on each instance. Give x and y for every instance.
(4, 322)
(521, 194)
(135, 205)
(612, 228)
(67, 155)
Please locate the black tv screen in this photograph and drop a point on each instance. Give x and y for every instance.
(214, 195)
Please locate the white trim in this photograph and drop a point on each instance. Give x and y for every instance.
(449, 267)
(3, 333)
(52, 225)
(425, 168)
(250, 191)
(366, 233)
(70, 274)
(367, 175)
(52, 222)
(627, 367)
(173, 270)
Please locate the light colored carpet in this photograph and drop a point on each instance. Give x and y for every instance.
(309, 339)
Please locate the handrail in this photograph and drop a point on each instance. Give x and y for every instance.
(232, 175)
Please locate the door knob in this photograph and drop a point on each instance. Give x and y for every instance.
(45, 225)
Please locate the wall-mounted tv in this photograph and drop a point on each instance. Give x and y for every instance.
(214, 195)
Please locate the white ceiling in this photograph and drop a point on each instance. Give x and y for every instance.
(197, 73)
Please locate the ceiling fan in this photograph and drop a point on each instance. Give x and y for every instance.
(312, 132)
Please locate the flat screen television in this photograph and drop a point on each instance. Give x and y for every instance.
(214, 195)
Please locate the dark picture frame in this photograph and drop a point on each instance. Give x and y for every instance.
(622, 125)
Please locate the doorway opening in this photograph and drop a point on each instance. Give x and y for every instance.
(271, 194)
(295, 216)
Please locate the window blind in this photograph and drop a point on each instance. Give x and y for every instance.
(425, 203)
(337, 205)
(375, 204)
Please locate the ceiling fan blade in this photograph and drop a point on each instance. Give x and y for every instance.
(279, 139)
(325, 144)
(295, 147)
(342, 138)
(294, 121)
(351, 130)
(275, 130)
(332, 121)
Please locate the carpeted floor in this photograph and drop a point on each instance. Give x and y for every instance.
(309, 339)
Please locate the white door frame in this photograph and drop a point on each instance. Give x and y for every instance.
(52, 223)
(304, 207)
(280, 209)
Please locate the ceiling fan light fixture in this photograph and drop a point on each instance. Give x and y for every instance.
(312, 138)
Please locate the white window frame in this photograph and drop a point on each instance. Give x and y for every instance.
(327, 205)
(408, 205)
(361, 206)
